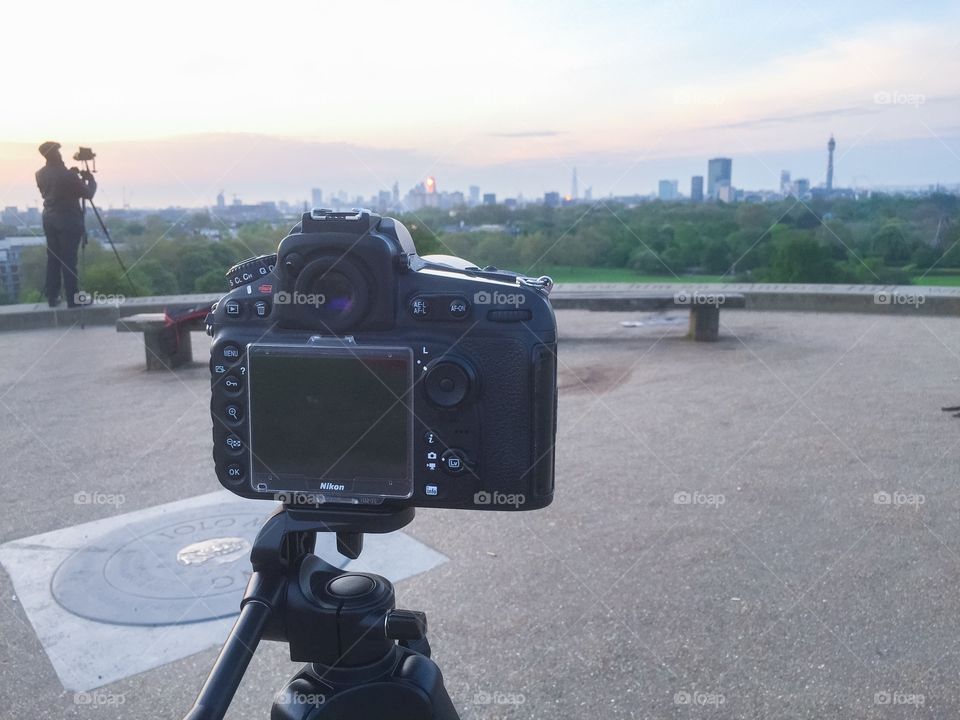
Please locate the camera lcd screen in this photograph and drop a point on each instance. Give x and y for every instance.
(332, 421)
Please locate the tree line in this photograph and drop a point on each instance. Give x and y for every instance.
(881, 239)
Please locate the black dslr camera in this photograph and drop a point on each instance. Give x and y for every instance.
(348, 372)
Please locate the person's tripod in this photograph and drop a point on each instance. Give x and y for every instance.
(86, 156)
(365, 659)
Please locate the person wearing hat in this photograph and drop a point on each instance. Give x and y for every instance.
(62, 189)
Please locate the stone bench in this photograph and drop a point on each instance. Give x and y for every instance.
(166, 341)
(704, 305)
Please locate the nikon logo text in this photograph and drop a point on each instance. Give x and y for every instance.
(331, 486)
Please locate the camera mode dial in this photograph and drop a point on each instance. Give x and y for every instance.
(250, 270)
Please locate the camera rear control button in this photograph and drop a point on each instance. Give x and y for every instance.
(420, 307)
(232, 308)
(232, 383)
(430, 437)
(509, 315)
(447, 383)
(233, 443)
(459, 308)
(233, 412)
(453, 462)
(234, 472)
(431, 490)
(261, 308)
(230, 352)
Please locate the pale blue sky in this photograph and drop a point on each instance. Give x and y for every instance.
(508, 94)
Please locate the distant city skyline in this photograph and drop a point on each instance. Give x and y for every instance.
(627, 93)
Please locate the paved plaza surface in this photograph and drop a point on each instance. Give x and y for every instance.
(763, 527)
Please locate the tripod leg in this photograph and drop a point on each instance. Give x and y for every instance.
(231, 664)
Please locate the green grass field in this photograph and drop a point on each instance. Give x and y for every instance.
(566, 274)
(943, 280)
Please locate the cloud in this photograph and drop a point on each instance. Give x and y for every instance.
(526, 134)
(797, 117)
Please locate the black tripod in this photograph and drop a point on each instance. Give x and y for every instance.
(86, 156)
(365, 659)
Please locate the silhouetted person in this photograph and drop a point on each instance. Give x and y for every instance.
(62, 189)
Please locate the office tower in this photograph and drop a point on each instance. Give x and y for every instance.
(489, 198)
(719, 171)
(831, 145)
(551, 199)
(574, 192)
(220, 199)
(667, 190)
(785, 185)
(396, 193)
(474, 195)
(316, 197)
(696, 189)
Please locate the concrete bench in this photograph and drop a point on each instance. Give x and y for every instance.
(704, 305)
(166, 342)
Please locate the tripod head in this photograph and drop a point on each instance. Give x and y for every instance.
(364, 657)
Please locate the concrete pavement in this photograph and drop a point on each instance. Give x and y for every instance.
(761, 527)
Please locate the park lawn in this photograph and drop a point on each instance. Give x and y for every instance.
(565, 274)
(943, 280)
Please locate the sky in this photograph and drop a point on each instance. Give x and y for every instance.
(267, 100)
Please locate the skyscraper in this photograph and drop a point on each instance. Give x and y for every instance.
(474, 195)
(316, 197)
(574, 192)
(667, 190)
(719, 172)
(696, 189)
(785, 186)
(831, 144)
